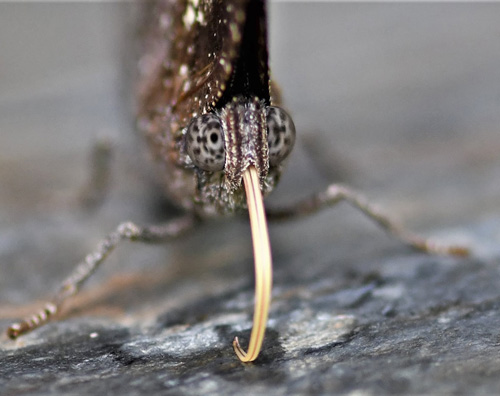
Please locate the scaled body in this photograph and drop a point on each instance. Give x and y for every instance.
(202, 57)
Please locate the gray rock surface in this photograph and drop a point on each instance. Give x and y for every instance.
(399, 100)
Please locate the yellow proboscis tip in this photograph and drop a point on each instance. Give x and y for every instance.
(263, 266)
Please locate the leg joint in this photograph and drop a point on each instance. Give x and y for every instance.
(129, 230)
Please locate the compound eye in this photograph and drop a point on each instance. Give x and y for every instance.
(280, 135)
(205, 143)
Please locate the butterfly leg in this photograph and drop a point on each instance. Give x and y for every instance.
(336, 193)
(69, 287)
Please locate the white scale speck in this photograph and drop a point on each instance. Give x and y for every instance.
(189, 17)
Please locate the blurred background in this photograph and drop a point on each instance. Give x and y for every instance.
(401, 101)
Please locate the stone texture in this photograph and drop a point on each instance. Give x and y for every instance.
(404, 97)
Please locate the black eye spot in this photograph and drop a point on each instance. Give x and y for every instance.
(214, 137)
